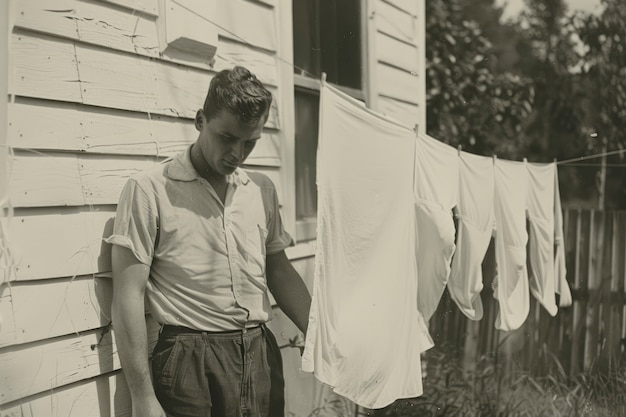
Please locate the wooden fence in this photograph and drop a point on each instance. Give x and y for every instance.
(591, 334)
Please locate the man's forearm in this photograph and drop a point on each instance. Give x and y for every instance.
(294, 300)
(132, 346)
(289, 290)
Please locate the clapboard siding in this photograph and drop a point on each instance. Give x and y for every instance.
(40, 310)
(66, 179)
(395, 64)
(408, 6)
(248, 22)
(79, 128)
(103, 396)
(91, 22)
(62, 70)
(398, 84)
(405, 113)
(37, 367)
(150, 7)
(60, 241)
(37, 310)
(396, 53)
(98, 24)
(395, 22)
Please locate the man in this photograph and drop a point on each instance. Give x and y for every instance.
(203, 240)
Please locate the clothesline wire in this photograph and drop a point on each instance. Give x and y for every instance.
(597, 165)
(597, 155)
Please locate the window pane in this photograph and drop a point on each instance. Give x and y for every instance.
(307, 115)
(327, 37)
(340, 33)
(306, 43)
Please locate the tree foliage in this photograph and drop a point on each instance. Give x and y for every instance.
(468, 102)
(536, 87)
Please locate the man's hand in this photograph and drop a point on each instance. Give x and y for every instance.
(147, 407)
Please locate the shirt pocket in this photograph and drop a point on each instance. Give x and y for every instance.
(256, 241)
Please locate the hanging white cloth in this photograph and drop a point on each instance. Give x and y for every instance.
(511, 283)
(365, 333)
(436, 193)
(560, 271)
(474, 231)
(541, 234)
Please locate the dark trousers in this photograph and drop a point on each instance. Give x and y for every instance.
(226, 374)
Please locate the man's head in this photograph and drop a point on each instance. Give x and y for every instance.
(239, 92)
(231, 122)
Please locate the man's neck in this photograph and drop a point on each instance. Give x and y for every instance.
(203, 168)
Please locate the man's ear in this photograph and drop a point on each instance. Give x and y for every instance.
(200, 119)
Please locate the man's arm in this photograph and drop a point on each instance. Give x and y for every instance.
(128, 312)
(288, 289)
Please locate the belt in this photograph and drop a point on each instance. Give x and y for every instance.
(171, 330)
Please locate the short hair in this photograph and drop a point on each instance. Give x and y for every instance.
(240, 92)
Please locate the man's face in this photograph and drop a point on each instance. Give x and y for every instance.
(226, 142)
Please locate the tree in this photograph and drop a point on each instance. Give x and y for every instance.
(604, 70)
(468, 102)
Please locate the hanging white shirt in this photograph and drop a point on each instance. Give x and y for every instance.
(511, 282)
(365, 333)
(436, 192)
(474, 231)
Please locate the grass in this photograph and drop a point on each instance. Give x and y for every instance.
(490, 390)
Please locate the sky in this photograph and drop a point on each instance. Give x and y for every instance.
(514, 7)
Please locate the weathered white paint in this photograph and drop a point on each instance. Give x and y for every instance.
(405, 113)
(90, 22)
(247, 22)
(4, 91)
(150, 7)
(45, 180)
(184, 25)
(59, 179)
(37, 310)
(398, 84)
(52, 68)
(98, 24)
(104, 396)
(409, 6)
(33, 368)
(89, 129)
(396, 53)
(395, 22)
(263, 64)
(61, 242)
(44, 68)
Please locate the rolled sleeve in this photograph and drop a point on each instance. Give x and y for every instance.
(277, 237)
(136, 224)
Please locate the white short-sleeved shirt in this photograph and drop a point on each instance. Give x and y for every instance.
(207, 259)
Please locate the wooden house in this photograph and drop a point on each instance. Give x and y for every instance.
(98, 90)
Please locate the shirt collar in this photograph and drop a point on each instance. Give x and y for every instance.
(181, 169)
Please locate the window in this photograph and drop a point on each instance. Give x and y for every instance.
(328, 38)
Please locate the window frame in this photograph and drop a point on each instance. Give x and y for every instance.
(306, 228)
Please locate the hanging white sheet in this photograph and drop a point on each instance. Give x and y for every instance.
(365, 333)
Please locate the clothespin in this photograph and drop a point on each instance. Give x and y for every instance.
(323, 78)
(525, 161)
(494, 157)
(459, 148)
(416, 129)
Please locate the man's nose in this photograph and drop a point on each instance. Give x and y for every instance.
(238, 150)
